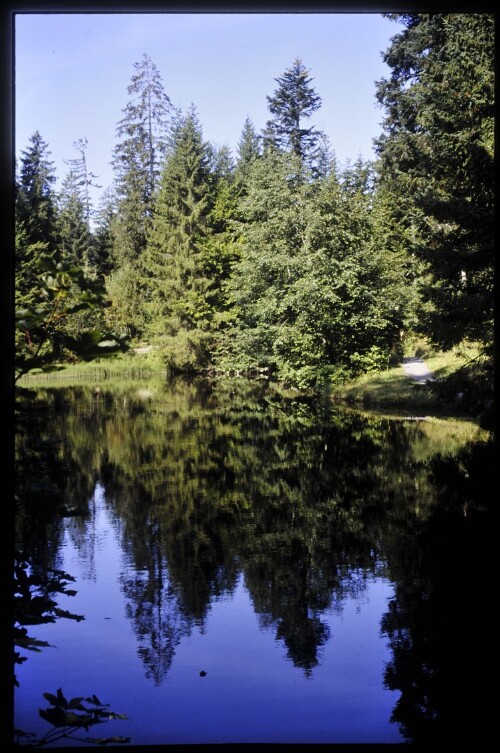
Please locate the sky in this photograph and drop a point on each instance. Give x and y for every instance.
(72, 71)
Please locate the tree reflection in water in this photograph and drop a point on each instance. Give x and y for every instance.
(306, 501)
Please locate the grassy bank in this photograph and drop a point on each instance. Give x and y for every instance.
(123, 366)
(393, 389)
(390, 390)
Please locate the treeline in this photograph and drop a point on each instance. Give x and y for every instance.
(274, 259)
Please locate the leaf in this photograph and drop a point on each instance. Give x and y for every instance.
(50, 698)
(55, 716)
(32, 644)
(95, 701)
(79, 720)
(76, 703)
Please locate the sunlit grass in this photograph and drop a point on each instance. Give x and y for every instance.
(123, 366)
(393, 388)
(444, 364)
(390, 388)
(386, 388)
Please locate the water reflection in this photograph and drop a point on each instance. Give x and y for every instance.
(208, 483)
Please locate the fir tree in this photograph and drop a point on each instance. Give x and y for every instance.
(249, 147)
(36, 220)
(175, 263)
(75, 233)
(138, 156)
(292, 102)
(36, 208)
(83, 178)
(437, 153)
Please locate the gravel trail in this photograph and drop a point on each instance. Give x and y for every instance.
(417, 370)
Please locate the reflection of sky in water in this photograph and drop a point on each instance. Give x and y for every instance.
(251, 693)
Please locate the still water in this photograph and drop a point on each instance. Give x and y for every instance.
(255, 566)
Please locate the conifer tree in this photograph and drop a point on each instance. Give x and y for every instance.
(36, 207)
(36, 220)
(437, 154)
(137, 158)
(76, 237)
(249, 147)
(83, 178)
(175, 264)
(103, 232)
(292, 102)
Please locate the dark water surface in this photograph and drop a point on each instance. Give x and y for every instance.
(329, 571)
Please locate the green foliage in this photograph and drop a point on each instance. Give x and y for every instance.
(41, 338)
(36, 220)
(36, 211)
(76, 239)
(126, 292)
(277, 263)
(249, 147)
(310, 286)
(438, 154)
(183, 258)
(137, 159)
(293, 100)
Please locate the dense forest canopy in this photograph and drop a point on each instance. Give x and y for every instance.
(275, 260)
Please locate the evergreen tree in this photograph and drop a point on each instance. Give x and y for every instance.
(437, 153)
(137, 158)
(175, 264)
(248, 146)
(83, 178)
(103, 232)
(36, 220)
(36, 207)
(273, 224)
(292, 101)
(76, 238)
(221, 164)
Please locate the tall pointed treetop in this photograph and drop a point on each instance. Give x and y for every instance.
(292, 102)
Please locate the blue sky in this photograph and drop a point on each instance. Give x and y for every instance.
(72, 73)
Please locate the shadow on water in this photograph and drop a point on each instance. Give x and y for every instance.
(307, 502)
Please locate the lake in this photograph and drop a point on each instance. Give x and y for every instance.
(256, 566)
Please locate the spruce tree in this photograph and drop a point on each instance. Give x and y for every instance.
(293, 101)
(437, 155)
(83, 178)
(249, 147)
(137, 161)
(138, 157)
(36, 207)
(75, 233)
(36, 219)
(175, 263)
(103, 232)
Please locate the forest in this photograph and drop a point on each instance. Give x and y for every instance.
(274, 261)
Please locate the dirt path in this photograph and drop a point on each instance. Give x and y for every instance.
(417, 370)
